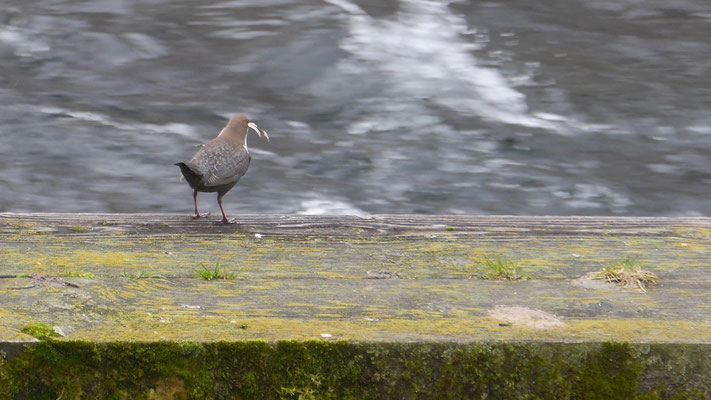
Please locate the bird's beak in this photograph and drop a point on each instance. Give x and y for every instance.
(259, 130)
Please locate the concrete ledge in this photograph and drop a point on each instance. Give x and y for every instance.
(347, 370)
(379, 291)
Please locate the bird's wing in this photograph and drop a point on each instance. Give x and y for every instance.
(222, 163)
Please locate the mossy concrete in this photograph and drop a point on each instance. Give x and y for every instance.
(347, 370)
(304, 278)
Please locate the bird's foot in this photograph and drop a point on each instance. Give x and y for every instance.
(226, 221)
(198, 216)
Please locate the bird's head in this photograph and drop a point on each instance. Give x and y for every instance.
(238, 126)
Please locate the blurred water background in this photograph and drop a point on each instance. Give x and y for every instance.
(567, 107)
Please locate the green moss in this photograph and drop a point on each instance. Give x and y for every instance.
(78, 274)
(77, 229)
(39, 330)
(610, 373)
(346, 370)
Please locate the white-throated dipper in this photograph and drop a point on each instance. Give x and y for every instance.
(221, 162)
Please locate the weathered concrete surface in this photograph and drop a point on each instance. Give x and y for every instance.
(310, 317)
(313, 277)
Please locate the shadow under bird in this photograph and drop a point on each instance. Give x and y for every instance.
(220, 163)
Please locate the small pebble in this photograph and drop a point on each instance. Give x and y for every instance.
(326, 335)
(258, 235)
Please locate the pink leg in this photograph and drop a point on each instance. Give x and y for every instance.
(224, 219)
(197, 214)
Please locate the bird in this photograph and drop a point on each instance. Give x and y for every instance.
(220, 163)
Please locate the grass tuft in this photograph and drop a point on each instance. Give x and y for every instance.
(77, 229)
(141, 275)
(628, 272)
(502, 268)
(216, 273)
(78, 274)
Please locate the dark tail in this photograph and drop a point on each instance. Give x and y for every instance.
(191, 176)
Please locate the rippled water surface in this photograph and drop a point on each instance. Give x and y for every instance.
(585, 107)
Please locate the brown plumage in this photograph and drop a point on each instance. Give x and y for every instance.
(221, 162)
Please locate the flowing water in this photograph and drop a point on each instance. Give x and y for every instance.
(568, 107)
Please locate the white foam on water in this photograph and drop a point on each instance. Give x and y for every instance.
(243, 33)
(701, 129)
(245, 4)
(173, 127)
(591, 196)
(233, 23)
(328, 207)
(147, 46)
(424, 51)
(22, 42)
(347, 6)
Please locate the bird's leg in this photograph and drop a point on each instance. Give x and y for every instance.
(197, 214)
(224, 219)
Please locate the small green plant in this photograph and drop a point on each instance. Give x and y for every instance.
(503, 269)
(628, 272)
(448, 228)
(298, 393)
(77, 274)
(210, 274)
(309, 392)
(141, 275)
(39, 330)
(77, 229)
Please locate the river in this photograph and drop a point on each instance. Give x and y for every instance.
(575, 107)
